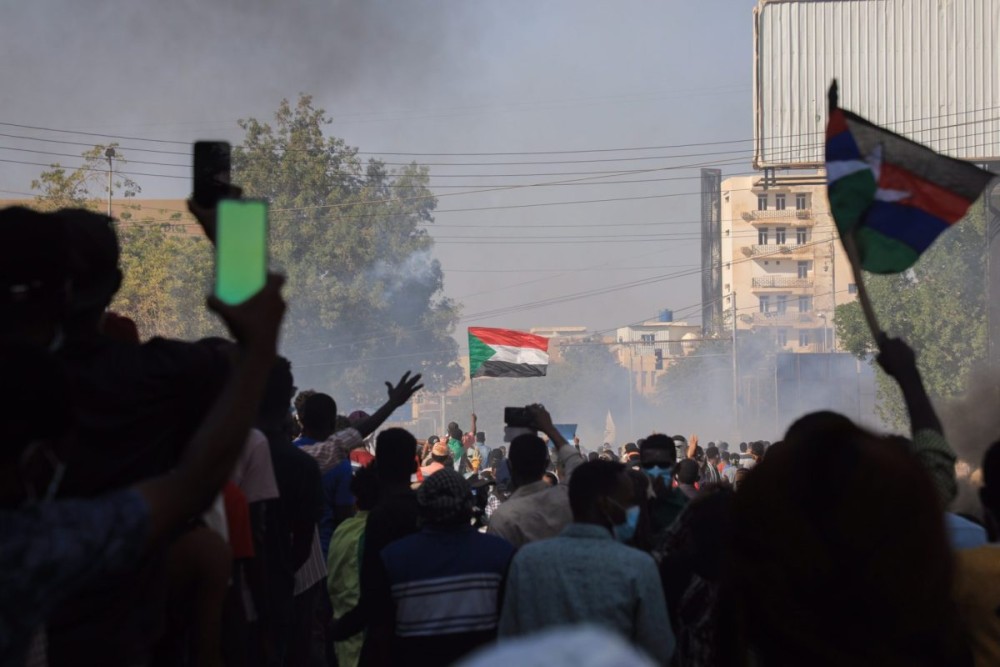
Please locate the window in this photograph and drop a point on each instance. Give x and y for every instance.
(852, 288)
(800, 202)
(782, 303)
(800, 235)
(803, 338)
(761, 202)
(779, 235)
(803, 269)
(779, 202)
(765, 304)
(762, 236)
(782, 336)
(805, 304)
(647, 338)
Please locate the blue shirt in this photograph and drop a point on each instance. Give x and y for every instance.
(964, 534)
(586, 576)
(336, 492)
(51, 552)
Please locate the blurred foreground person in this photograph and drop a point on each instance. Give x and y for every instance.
(51, 548)
(587, 574)
(840, 556)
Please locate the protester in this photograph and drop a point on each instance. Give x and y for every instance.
(657, 458)
(343, 582)
(440, 458)
(535, 510)
(445, 580)
(710, 470)
(53, 548)
(622, 591)
(687, 476)
(483, 450)
(393, 517)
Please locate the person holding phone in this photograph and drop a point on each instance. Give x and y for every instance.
(52, 548)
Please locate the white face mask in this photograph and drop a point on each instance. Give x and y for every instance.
(58, 473)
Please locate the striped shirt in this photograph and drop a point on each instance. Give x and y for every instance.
(445, 585)
(335, 449)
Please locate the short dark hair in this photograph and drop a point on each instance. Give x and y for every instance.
(277, 398)
(529, 457)
(593, 456)
(757, 448)
(712, 452)
(364, 487)
(743, 448)
(659, 442)
(481, 437)
(318, 413)
(394, 449)
(590, 481)
(687, 471)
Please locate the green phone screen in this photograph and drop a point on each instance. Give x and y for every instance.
(240, 249)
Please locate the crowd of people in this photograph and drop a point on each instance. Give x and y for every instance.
(180, 503)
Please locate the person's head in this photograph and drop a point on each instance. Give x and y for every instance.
(433, 440)
(593, 456)
(529, 458)
(445, 499)
(835, 532)
(364, 487)
(318, 416)
(440, 453)
(724, 446)
(94, 254)
(394, 456)
(481, 438)
(550, 478)
(36, 420)
(743, 448)
(35, 277)
(687, 471)
(712, 455)
(454, 431)
(657, 457)
(757, 450)
(725, 457)
(600, 492)
(699, 454)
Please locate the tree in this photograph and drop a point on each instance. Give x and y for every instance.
(365, 293)
(166, 275)
(939, 307)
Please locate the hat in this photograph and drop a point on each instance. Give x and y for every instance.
(440, 449)
(445, 497)
(357, 417)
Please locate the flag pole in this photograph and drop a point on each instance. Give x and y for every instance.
(472, 390)
(859, 279)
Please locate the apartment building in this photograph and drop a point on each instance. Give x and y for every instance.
(783, 268)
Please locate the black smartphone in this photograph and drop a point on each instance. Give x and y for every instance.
(211, 172)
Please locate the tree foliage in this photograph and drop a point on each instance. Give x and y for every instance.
(939, 307)
(365, 292)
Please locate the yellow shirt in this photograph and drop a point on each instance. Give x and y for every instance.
(977, 592)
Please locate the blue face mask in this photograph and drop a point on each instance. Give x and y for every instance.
(660, 472)
(625, 531)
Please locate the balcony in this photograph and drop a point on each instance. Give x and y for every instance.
(775, 318)
(790, 249)
(781, 282)
(802, 217)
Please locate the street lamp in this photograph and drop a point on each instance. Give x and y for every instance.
(109, 153)
(822, 316)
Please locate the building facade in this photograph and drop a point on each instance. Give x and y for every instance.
(648, 349)
(783, 268)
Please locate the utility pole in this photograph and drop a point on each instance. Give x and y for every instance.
(833, 276)
(736, 375)
(109, 153)
(631, 381)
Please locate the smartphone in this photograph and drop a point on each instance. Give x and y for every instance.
(240, 249)
(211, 172)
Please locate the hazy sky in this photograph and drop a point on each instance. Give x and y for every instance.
(457, 76)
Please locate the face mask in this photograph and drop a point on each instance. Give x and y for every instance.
(660, 472)
(625, 531)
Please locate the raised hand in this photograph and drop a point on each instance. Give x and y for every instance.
(406, 388)
(255, 323)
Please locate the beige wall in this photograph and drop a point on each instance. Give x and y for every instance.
(753, 270)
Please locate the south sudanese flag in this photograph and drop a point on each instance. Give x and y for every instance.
(895, 195)
(503, 353)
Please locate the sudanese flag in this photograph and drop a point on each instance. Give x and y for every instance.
(505, 353)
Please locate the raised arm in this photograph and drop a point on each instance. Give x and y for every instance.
(209, 458)
(398, 396)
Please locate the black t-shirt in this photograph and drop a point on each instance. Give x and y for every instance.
(136, 407)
